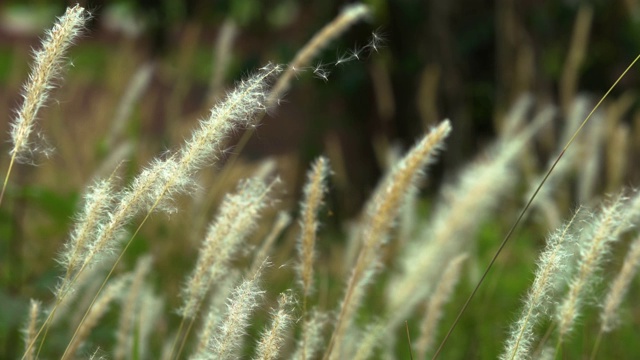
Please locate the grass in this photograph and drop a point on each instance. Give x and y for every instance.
(192, 252)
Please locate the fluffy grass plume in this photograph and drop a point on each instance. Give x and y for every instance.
(273, 338)
(379, 217)
(226, 342)
(312, 340)
(313, 194)
(435, 306)
(238, 215)
(31, 328)
(44, 73)
(477, 191)
(49, 63)
(155, 186)
(605, 229)
(553, 265)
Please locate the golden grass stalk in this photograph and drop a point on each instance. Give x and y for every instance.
(272, 340)
(590, 168)
(553, 265)
(151, 314)
(380, 215)
(98, 202)
(108, 233)
(350, 15)
(157, 184)
(238, 216)
(364, 343)
(515, 119)
(478, 191)
(44, 73)
(617, 157)
(216, 305)
(85, 286)
(314, 192)
(546, 202)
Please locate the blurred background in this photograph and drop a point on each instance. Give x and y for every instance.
(145, 71)
(463, 60)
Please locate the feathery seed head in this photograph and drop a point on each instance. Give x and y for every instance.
(236, 218)
(477, 191)
(314, 192)
(239, 110)
(593, 248)
(98, 203)
(553, 265)
(273, 339)
(619, 287)
(380, 214)
(48, 64)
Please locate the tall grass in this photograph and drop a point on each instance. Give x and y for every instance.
(252, 286)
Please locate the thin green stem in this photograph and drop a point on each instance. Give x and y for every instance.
(186, 335)
(305, 327)
(177, 339)
(596, 345)
(6, 178)
(406, 325)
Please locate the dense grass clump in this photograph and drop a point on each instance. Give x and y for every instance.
(191, 252)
